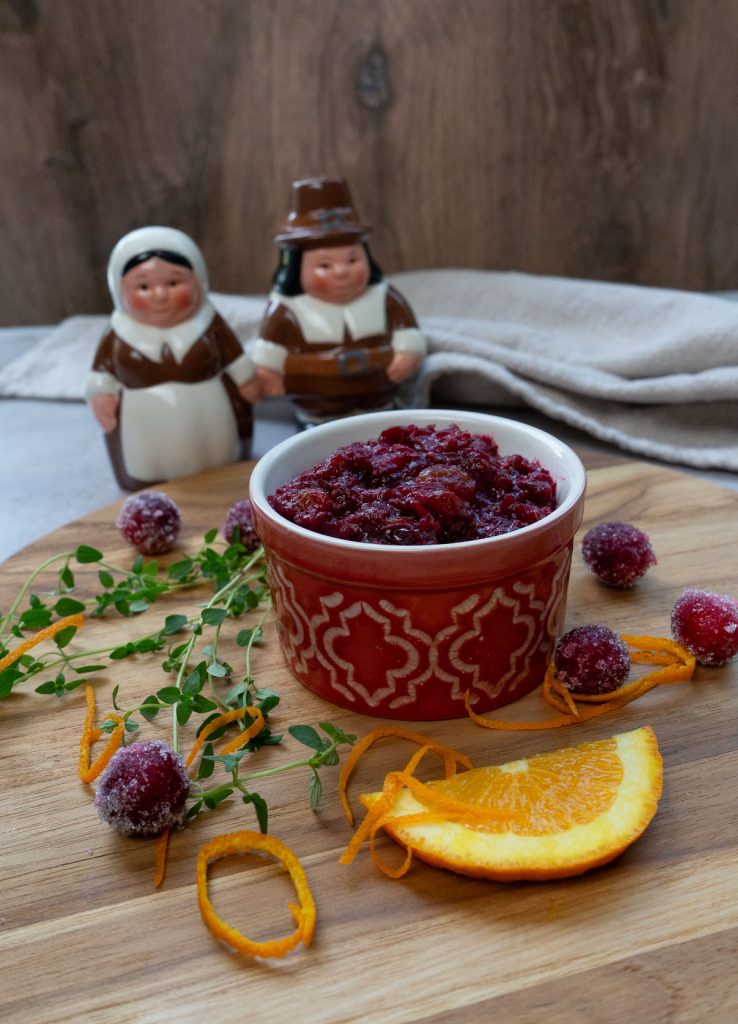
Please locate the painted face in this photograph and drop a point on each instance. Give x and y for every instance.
(339, 273)
(160, 294)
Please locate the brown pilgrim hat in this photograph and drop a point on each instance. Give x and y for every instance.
(322, 213)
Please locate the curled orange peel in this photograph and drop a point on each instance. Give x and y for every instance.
(162, 848)
(450, 757)
(229, 716)
(303, 913)
(439, 806)
(7, 660)
(677, 663)
(88, 772)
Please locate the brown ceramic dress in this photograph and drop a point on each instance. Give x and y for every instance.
(333, 376)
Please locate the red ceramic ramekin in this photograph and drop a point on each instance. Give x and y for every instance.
(403, 632)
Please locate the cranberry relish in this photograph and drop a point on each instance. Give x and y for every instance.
(418, 485)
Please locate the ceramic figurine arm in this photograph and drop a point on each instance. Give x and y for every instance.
(408, 344)
(102, 389)
(271, 383)
(278, 336)
(403, 365)
(105, 410)
(240, 367)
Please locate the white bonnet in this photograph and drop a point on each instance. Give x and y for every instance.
(151, 238)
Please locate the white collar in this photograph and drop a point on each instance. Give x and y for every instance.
(326, 321)
(149, 341)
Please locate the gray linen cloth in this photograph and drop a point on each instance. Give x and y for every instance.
(650, 370)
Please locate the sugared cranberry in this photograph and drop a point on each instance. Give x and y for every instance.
(591, 659)
(707, 625)
(240, 517)
(150, 521)
(143, 790)
(617, 553)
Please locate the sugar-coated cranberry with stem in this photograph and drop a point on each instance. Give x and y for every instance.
(618, 554)
(143, 790)
(592, 659)
(150, 521)
(707, 625)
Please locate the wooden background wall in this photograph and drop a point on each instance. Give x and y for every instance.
(589, 138)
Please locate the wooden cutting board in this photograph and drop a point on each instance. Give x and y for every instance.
(651, 937)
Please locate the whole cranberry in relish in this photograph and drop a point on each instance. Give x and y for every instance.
(418, 485)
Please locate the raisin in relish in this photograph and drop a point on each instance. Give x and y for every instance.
(418, 485)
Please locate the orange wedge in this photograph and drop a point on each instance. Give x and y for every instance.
(568, 811)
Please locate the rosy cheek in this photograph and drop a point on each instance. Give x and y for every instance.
(317, 282)
(139, 301)
(183, 298)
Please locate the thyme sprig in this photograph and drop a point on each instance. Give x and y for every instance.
(203, 683)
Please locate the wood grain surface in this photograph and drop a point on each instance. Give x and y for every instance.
(649, 939)
(585, 138)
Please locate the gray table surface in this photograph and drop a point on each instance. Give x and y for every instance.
(54, 467)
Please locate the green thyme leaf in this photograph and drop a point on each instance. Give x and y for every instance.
(49, 687)
(174, 624)
(168, 694)
(248, 636)
(214, 616)
(66, 578)
(261, 809)
(35, 618)
(180, 570)
(150, 708)
(184, 711)
(336, 734)
(316, 790)
(85, 554)
(63, 637)
(217, 796)
(207, 764)
(68, 606)
(307, 735)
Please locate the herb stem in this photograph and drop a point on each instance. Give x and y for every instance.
(5, 619)
(239, 577)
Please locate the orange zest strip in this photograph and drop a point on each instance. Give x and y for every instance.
(373, 818)
(384, 867)
(659, 644)
(446, 806)
(450, 757)
(229, 716)
(392, 783)
(43, 634)
(304, 913)
(90, 734)
(678, 666)
(162, 848)
(559, 698)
